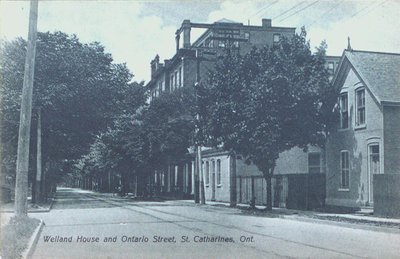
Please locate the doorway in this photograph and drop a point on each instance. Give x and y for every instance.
(374, 167)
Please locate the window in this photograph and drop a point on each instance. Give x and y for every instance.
(209, 43)
(344, 115)
(344, 169)
(247, 35)
(213, 173)
(236, 44)
(314, 163)
(207, 173)
(374, 164)
(221, 44)
(163, 179)
(277, 38)
(218, 172)
(176, 79)
(176, 175)
(331, 67)
(360, 107)
(160, 87)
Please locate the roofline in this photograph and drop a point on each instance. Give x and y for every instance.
(375, 52)
(242, 26)
(342, 58)
(362, 77)
(332, 56)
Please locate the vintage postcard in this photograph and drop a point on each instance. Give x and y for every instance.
(199, 129)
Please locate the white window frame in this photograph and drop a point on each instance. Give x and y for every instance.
(213, 172)
(219, 172)
(357, 108)
(276, 38)
(176, 175)
(207, 173)
(343, 170)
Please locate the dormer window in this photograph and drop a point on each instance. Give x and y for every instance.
(360, 107)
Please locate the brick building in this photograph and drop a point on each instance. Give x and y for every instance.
(190, 64)
(366, 143)
(181, 69)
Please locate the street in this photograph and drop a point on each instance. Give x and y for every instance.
(84, 224)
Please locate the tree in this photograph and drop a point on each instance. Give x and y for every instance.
(269, 101)
(78, 88)
(169, 125)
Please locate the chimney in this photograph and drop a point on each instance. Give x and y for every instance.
(266, 23)
(186, 34)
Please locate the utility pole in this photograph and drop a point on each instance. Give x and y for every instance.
(199, 160)
(196, 174)
(202, 191)
(38, 193)
(21, 188)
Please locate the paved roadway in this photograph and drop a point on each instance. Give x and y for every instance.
(181, 229)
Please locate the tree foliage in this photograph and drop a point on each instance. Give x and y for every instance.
(77, 86)
(268, 101)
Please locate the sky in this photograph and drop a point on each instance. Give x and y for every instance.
(135, 31)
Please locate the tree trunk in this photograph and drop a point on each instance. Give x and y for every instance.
(268, 177)
(21, 188)
(233, 195)
(38, 193)
(269, 192)
(136, 184)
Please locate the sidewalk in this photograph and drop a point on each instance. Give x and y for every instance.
(289, 213)
(32, 208)
(7, 210)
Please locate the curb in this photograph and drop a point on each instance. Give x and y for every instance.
(32, 211)
(33, 241)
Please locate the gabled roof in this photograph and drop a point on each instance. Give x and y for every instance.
(379, 71)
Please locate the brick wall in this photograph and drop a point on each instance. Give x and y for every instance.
(392, 139)
(355, 140)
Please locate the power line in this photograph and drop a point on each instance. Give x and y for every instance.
(355, 14)
(374, 8)
(289, 10)
(263, 8)
(322, 15)
(313, 3)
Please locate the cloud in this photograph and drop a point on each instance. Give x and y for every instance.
(118, 25)
(134, 34)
